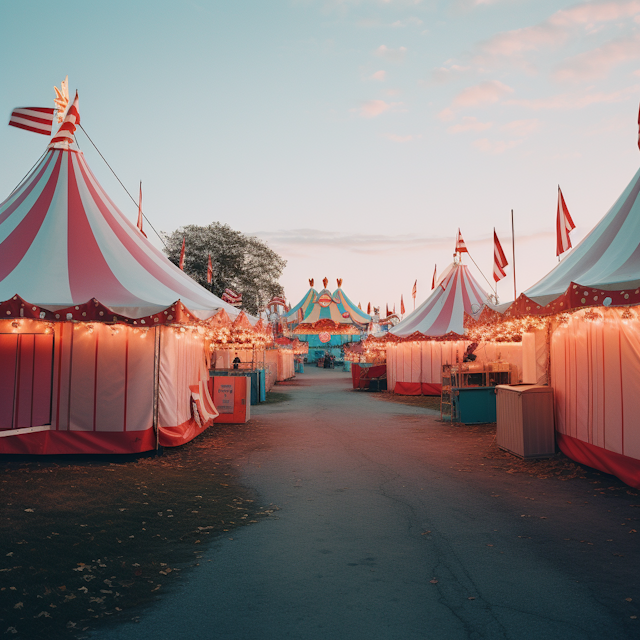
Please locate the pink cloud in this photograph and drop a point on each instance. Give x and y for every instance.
(495, 147)
(381, 76)
(483, 93)
(522, 128)
(396, 55)
(565, 101)
(470, 123)
(598, 62)
(396, 138)
(374, 108)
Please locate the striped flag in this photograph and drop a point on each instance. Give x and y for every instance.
(35, 119)
(414, 291)
(401, 305)
(564, 224)
(139, 223)
(461, 247)
(435, 277)
(182, 254)
(68, 127)
(499, 259)
(209, 271)
(232, 297)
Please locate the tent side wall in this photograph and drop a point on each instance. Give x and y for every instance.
(415, 368)
(595, 374)
(99, 385)
(183, 367)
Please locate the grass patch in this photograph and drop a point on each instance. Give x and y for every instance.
(273, 397)
(86, 540)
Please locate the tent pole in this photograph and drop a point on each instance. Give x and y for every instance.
(156, 384)
(513, 250)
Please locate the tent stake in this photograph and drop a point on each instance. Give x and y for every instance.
(513, 249)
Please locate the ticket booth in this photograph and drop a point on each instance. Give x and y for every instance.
(232, 398)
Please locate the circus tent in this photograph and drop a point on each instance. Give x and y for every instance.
(433, 335)
(592, 295)
(99, 340)
(327, 320)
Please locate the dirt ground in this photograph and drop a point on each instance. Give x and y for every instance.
(85, 541)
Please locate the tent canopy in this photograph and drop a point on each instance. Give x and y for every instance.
(606, 260)
(64, 242)
(443, 311)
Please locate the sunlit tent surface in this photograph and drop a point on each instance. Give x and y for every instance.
(99, 351)
(595, 351)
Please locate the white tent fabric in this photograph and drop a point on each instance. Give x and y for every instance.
(63, 241)
(443, 311)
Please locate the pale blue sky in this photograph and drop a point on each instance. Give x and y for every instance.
(355, 136)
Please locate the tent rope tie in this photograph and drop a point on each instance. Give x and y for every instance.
(122, 185)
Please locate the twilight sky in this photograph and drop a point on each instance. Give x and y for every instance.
(354, 136)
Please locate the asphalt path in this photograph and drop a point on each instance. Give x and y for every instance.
(392, 525)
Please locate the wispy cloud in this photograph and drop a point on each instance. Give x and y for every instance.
(444, 74)
(407, 22)
(470, 123)
(395, 55)
(597, 63)
(381, 76)
(396, 138)
(299, 242)
(522, 128)
(495, 147)
(374, 108)
(484, 93)
(566, 101)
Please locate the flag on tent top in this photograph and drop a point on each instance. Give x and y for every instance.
(435, 277)
(414, 291)
(182, 254)
(369, 309)
(461, 247)
(499, 259)
(34, 119)
(638, 129)
(139, 223)
(387, 310)
(401, 305)
(209, 270)
(68, 127)
(564, 224)
(232, 297)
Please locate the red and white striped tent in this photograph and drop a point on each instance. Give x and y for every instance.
(414, 364)
(456, 293)
(99, 346)
(595, 350)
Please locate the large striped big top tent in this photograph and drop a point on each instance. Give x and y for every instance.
(100, 347)
(442, 313)
(595, 341)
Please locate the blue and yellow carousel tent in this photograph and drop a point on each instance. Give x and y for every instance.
(327, 320)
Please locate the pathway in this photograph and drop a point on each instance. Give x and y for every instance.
(392, 527)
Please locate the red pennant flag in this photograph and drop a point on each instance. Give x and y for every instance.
(461, 247)
(182, 254)
(35, 119)
(401, 305)
(387, 310)
(435, 277)
(414, 291)
(499, 259)
(139, 223)
(564, 224)
(368, 308)
(209, 271)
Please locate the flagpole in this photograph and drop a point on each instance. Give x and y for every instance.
(513, 249)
